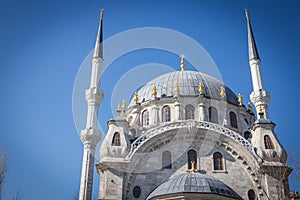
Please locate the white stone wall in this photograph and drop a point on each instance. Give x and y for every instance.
(178, 105)
(143, 168)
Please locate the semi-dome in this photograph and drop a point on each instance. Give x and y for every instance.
(195, 183)
(188, 85)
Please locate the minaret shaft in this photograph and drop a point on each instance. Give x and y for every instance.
(257, 81)
(96, 72)
(259, 97)
(90, 136)
(87, 178)
(92, 117)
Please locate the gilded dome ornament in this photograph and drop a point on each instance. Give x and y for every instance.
(119, 107)
(192, 170)
(124, 105)
(176, 90)
(240, 99)
(188, 86)
(136, 97)
(182, 66)
(201, 88)
(222, 93)
(250, 109)
(154, 91)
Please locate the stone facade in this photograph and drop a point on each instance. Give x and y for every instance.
(142, 165)
(186, 122)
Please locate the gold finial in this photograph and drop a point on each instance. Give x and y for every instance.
(240, 99)
(193, 170)
(222, 93)
(201, 88)
(136, 97)
(101, 14)
(182, 66)
(250, 109)
(247, 14)
(176, 90)
(119, 107)
(154, 91)
(260, 110)
(124, 104)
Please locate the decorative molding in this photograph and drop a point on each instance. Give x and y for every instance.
(94, 96)
(90, 136)
(189, 124)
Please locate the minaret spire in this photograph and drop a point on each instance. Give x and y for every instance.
(253, 53)
(259, 97)
(91, 135)
(98, 51)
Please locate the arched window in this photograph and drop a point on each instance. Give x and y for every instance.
(268, 142)
(145, 118)
(189, 112)
(251, 195)
(166, 114)
(136, 191)
(192, 156)
(130, 119)
(218, 161)
(116, 141)
(233, 121)
(247, 135)
(166, 160)
(213, 114)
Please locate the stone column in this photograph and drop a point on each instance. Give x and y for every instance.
(202, 112)
(177, 112)
(154, 115)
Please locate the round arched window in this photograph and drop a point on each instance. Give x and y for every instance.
(233, 121)
(247, 135)
(189, 112)
(166, 114)
(136, 191)
(251, 195)
(213, 114)
(145, 118)
(130, 119)
(116, 141)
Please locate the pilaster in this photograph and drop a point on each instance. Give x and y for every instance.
(202, 113)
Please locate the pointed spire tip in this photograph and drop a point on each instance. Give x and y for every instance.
(252, 49)
(98, 50)
(247, 13)
(101, 14)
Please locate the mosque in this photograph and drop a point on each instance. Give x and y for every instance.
(185, 135)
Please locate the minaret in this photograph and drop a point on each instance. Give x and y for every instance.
(91, 135)
(259, 97)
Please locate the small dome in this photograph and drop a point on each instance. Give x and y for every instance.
(188, 84)
(193, 183)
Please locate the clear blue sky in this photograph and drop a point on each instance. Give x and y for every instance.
(42, 45)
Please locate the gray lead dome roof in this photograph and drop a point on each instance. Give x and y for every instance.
(193, 183)
(188, 82)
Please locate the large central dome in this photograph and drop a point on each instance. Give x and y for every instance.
(188, 84)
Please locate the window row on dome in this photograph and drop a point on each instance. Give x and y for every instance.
(116, 140)
(166, 116)
(218, 160)
(189, 114)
